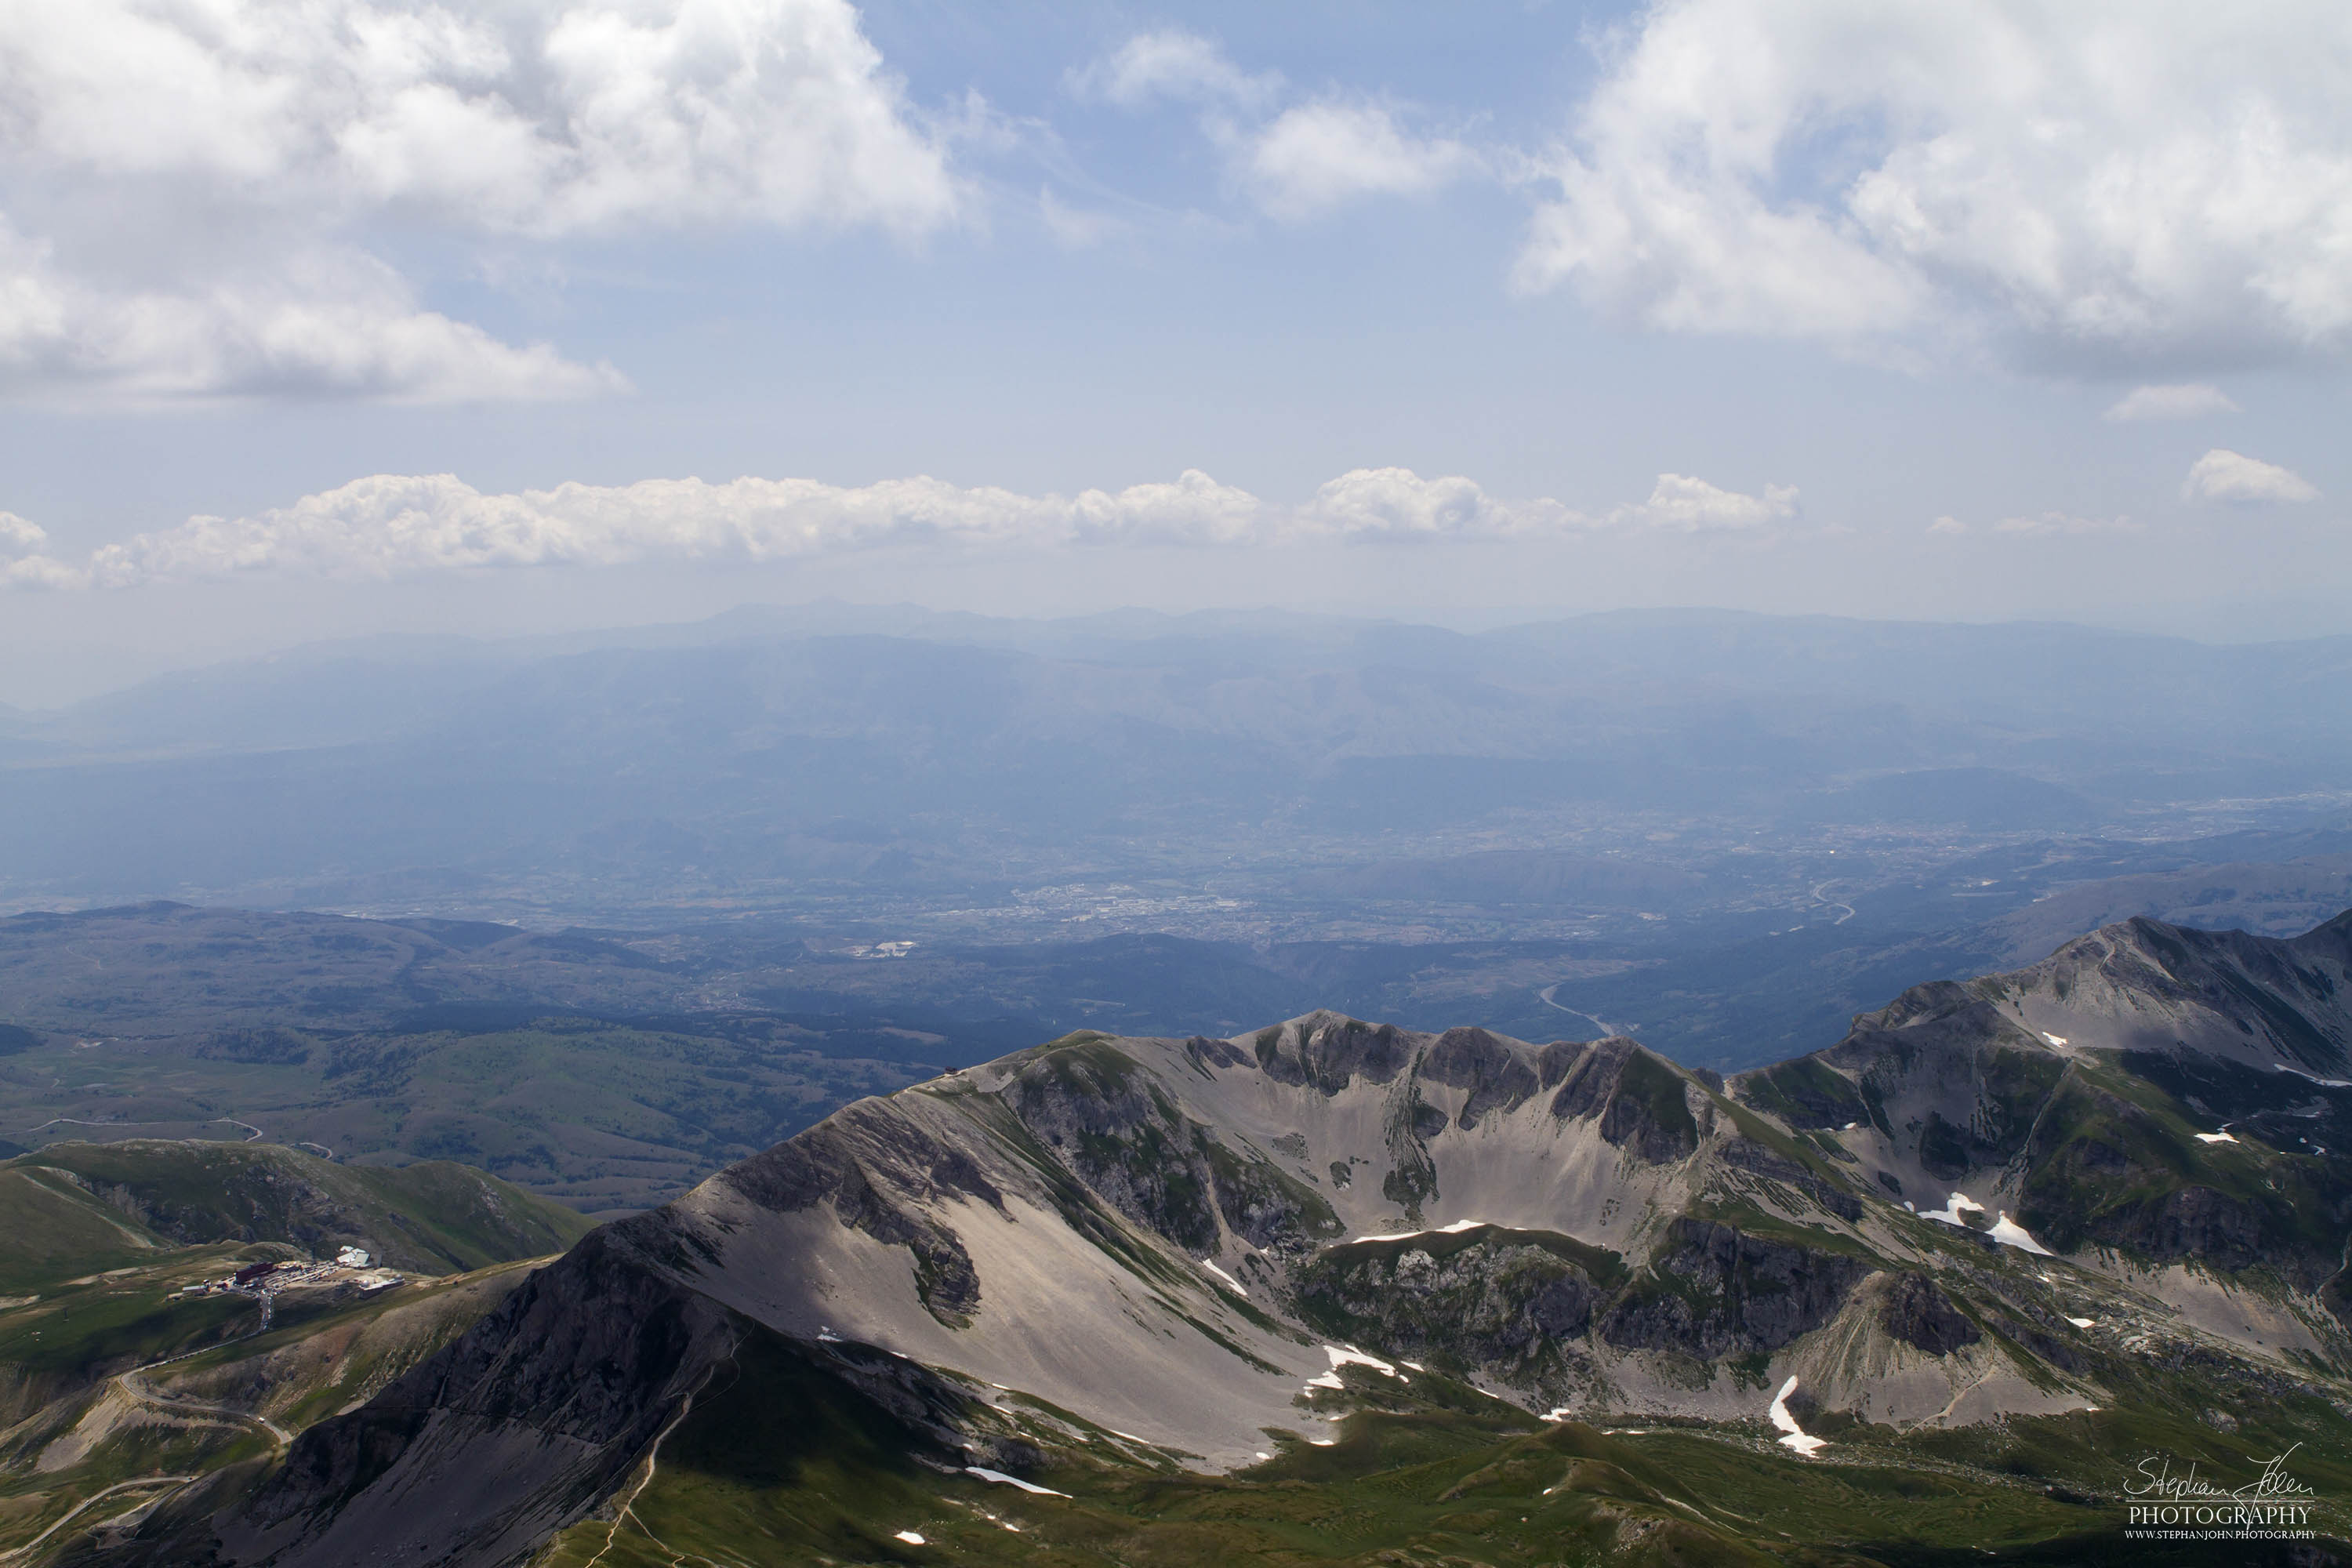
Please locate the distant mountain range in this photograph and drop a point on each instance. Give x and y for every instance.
(1135, 1299)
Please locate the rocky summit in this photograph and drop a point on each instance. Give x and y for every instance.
(2120, 1179)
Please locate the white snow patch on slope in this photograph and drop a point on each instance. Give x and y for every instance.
(2008, 1233)
(2005, 1230)
(911, 1537)
(1456, 1228)
(2215, 1138)
(2084, 1322)
(1791, 1435)
(1001, 1479)
(2057, 1040)
(1950, 1214)
(1340, 1358)
(1225, 1276)
(2323, 1083)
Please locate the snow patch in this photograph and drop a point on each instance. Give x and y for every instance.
(2005, 1230)
(2323, 1083)
(999, 1478)
(1340, 1358)
(2215, 1138)
(911, 1537)
(1353, 1357)
(1791, 1435)
(2057, 1040)
(1225, 1276)
(2008, 1233)
(1558, 1413)
(1950, 1214)
(1456, 1228)
(2084, 1322)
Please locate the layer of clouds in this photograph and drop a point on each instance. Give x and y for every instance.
(2191, 400)
(394, 525)
(2222, 475)
(270, 132)
(2084, 184)
(1295, 163)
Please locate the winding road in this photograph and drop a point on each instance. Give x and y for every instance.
(199, 1409)
(251, 1131)
(138, 1392)
(14, 1552)
(1547, 997)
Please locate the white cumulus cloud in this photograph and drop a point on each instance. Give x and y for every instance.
(1173, 64)
(1679, 503)
(2191, 400)
(188, 184)
(2083, 183)
(391, 525)
(1314, 156)
(1398, 504)
(325, 321)
(1295, 163)
(2222, 475)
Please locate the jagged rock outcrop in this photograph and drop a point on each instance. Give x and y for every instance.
(1515, 1306)
(1914, 1312)
(1712, 1291)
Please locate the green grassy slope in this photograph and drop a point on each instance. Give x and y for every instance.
(604, 1117)
(55, 1230)
(779, 1463)
(93, 1201)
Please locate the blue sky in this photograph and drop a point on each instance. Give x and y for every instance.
(1966, 310)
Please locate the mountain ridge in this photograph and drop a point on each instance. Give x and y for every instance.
(1208, 1249)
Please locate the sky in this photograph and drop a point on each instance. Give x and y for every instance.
(321, 318)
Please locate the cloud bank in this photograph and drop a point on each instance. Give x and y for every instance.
(393, 525)
(263, 136)
(2083, 184)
